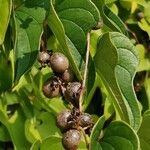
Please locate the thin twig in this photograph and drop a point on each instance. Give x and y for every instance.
(85, 72)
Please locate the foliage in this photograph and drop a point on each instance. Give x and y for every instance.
(117, 92)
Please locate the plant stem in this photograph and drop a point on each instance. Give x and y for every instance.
(85, 137)
(85, 72)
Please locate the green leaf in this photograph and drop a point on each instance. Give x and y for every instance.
(117, 136)
(29, 21)
(5, 11)
(113, 21)
(50, 143)
(78, 18)
(144, 131)
(117, 54)
(4, 135)
(5, 75)
(110, 19)
(96, 134)
(35, 145)
(144, 58)
(42, 127)
(144, 25)
(15, 127)
(58, 29)
(53, 142)
(147, 89)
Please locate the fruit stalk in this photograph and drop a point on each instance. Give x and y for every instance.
(85, 72)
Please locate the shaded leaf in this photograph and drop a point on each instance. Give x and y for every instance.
(4, 135)
(29, 21)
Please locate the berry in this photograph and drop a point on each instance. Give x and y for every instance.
(51, 88)
(85, 120)
(59, 62)
(72, 93)
(71, 139)
(67, 76)
(43, 57)
(63, 119)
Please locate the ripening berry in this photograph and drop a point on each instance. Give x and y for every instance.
(63, 119)
(71, 139)
(51, 88)
(72, 93)
(59, 62)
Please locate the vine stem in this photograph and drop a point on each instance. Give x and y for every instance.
(85, 72)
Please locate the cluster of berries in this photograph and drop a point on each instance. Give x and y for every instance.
(62, 83)
(71, 123)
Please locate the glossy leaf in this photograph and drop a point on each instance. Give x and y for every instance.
(117, 54)
(118, 135)
(29, 21)
(5, 12)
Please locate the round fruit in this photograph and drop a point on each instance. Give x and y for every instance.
(67, 76)
(51, 88)
(63, 119)
(59, 62)
(43, 57)
(71, 139)
(85, 120)
(72, 93)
